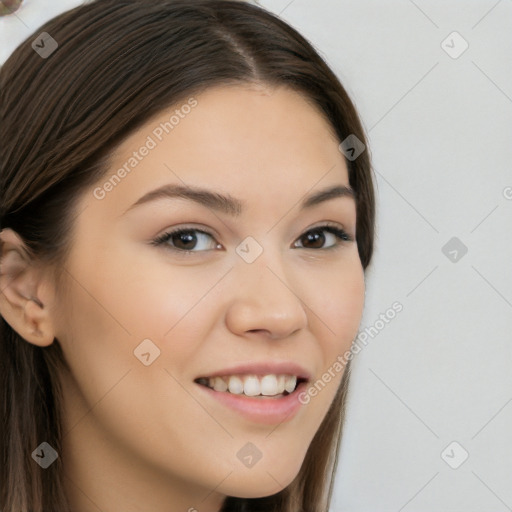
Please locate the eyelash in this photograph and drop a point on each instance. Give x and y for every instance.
(341, 234)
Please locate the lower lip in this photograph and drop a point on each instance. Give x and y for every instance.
(268, 411)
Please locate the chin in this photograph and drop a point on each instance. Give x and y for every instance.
(259, 483)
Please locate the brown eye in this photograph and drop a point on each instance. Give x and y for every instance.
(315, 238)
(186, 240)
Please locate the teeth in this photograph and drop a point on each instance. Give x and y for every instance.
(236, 385)
(269, 385)
(290, 383)
(219, 384)
(252, 385)
(281, 383)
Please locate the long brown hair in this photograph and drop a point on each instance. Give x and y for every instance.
(119, 63)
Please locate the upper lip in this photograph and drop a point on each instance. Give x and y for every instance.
(263, 368)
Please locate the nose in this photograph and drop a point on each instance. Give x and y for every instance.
(266, 300)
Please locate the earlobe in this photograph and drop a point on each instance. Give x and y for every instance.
(37, 325)
(21, 286)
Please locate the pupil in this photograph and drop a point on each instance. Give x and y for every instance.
(187, 238)
(316, 236)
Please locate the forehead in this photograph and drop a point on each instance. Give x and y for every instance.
(210, 123)
(253, 141)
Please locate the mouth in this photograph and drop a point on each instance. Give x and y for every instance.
(264, 392)
(263, 386)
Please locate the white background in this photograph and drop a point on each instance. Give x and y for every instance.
(440, 138)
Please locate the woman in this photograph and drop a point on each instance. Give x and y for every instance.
(187, 211)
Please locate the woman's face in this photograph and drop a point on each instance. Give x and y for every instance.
(266, 291)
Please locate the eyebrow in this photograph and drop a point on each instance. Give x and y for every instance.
(227, 203)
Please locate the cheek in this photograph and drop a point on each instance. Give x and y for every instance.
(337, 306)
(346, 312)
(337, 316)
(173, 307)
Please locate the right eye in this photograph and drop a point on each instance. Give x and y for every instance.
(184, 240)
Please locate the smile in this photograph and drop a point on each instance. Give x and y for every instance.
(270, 385)
(269, 399)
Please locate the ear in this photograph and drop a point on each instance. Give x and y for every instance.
(25, 293)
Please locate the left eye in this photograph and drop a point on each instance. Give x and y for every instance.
(315, 235)
(187, 240)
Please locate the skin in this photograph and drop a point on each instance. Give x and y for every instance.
(145, 438)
